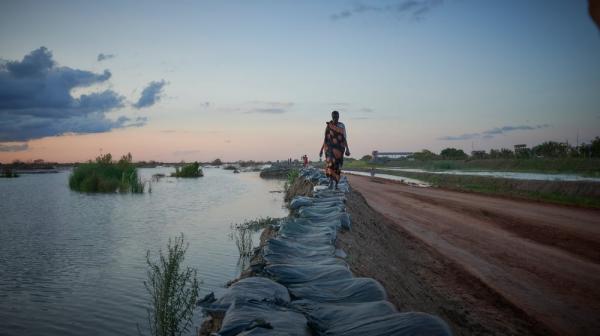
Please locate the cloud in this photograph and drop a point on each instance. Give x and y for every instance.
(15, 147)
(466, 136)
(416, 9)
(504, 129)
(366, 110)
(491, 133)
(103, 57)
(151, 94)
(269, 107)
(36, 100)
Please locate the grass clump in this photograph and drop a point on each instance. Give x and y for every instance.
(189, 170)
(104, 175)
(291, 177)
(173, 291)
(242, 233)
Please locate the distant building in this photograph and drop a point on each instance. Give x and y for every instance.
(520, 148)
(377, 155)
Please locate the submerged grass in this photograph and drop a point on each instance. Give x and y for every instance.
(173, 290)
(104, 175)
(242, 234)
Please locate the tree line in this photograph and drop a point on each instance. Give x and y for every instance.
(548, 149)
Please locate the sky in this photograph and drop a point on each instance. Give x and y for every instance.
(242, 80)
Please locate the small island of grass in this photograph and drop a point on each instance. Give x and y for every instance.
(106, 176)
(189, 170)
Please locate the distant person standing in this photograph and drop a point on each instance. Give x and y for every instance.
(305, 159)
(334, 145)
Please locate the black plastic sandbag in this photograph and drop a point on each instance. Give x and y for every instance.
(254, 317)
(252, 288)
(298, 274)
(353, 290)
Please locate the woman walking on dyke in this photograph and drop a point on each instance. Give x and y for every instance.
(334, 145)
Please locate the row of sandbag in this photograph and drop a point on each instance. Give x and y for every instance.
(306, 289)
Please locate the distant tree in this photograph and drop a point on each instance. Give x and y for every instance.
(453, 154)
(595, 147)
(425, 155)
(366, 158)
(551, 149)
(479, 154)
(506, 153)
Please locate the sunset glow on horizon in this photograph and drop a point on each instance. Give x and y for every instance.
(241, 80)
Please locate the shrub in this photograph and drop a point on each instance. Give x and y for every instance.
(189, 170)
(173, 291)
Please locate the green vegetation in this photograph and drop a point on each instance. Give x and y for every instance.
(8, 172)
(548, 157)
(292, 175)
(242, 235)
(583, 166)
(189, 170)
(586, 194)
(104, 175)
(173, 291)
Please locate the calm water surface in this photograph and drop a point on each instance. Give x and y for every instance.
(74, 264)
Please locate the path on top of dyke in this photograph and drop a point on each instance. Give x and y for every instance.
(303, 288)
(543, 258)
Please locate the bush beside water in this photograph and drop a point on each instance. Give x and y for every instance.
(173, 291)
(104, 175)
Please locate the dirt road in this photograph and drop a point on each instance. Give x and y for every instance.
(542, 259)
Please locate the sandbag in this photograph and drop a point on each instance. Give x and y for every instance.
(254, 317)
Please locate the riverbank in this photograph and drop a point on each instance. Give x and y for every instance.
(578, 193)
(486, 265)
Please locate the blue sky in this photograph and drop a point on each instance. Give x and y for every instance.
(258, 79)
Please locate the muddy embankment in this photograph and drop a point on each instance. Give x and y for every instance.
(417, 278)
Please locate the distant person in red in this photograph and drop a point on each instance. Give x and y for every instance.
(305, 159)
(334, 145)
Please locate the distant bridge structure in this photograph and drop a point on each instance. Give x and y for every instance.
(390, 155)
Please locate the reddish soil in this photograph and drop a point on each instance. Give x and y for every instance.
(487, 265)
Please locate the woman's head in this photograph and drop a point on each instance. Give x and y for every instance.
(335, 115)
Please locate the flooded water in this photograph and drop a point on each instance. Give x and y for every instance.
(407, 180)
(74, 264)
(508, 175)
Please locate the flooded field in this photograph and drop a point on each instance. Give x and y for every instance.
(73, 263)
